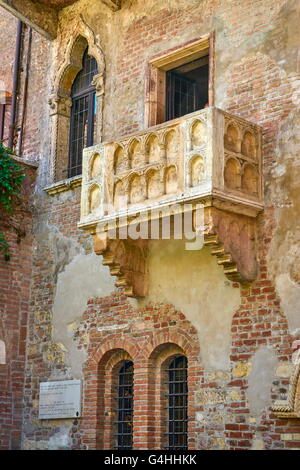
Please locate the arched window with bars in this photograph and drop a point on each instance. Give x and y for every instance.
(83, 113)
(177, 403)
(124, 425)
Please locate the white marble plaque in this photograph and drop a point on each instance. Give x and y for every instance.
(59, 399)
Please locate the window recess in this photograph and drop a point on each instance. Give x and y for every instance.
(180, 81)
(83, 114)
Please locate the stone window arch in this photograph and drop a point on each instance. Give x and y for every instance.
(83, 113)
(61, 100)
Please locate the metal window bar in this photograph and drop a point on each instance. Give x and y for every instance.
(178, 404)
(181, 96)
(2, 121)
(82, 114)
(124, 424)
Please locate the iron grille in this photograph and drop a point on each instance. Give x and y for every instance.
(82, 114)
(181, 96)
(125, 407)
(178, 404)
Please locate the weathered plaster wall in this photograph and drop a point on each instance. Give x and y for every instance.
(83, 278)
(194, 283)
(284, 255)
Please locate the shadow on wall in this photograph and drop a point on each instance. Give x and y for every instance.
(194, 283)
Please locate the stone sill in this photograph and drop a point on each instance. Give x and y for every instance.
(64, 185)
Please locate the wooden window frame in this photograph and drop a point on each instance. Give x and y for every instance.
(155, 102)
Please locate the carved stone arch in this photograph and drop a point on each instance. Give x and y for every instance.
(120, 159)
(152, 148)
(171, 180)
(94, 197)
(249, 179)
(232, 173)
(249, 144)
(170, 142)
(95, 166)
(196, 170)
(120, 194)
(232, 137)
(84, 37)
(198, 133)
(134, 153)
(136, 189)
(154, 184)
(60, 100)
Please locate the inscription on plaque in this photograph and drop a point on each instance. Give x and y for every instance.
(59, 399)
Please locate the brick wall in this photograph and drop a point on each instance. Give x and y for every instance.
(15, 280)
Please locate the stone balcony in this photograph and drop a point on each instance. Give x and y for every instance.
(208, 157)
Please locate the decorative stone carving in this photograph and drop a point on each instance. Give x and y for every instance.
(197, 170)
(249, 179)
(153, 149)
(249, 145)
(120, 160)
(95, 198)
(196, 159)
(232, 138)
(154, 185)
(171, 145)
(135, 154)
(98, 83)
(96, 166)
(137, 189)
(232, 240)
(290, 408)
(171, 180)
(232, 174)
(60, 105)
(199, 134)
(127, 260)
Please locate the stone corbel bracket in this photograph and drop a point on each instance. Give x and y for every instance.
(290, 408)
(127, 260)
(231, 238)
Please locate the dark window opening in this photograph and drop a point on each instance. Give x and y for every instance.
(178, 404)
(125, 407)
(83, 114)
(187, 88)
